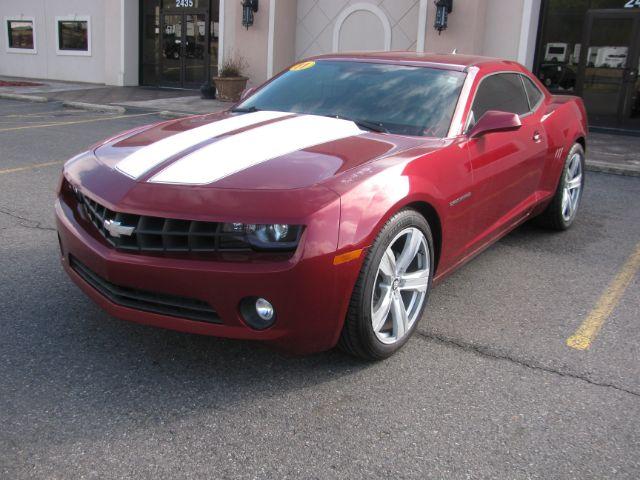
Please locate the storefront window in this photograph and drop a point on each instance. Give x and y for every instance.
(561, 37)
(73, 36)
(586, 47)
(20, 34)
(150, 49)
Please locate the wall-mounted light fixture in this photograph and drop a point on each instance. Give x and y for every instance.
(443, 9)
(249, 7)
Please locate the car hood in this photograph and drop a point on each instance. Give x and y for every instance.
(251, 151)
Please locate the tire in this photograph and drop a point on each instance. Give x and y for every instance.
(359, 338)
(555, 216)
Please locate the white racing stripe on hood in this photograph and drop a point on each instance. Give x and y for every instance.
(146, 158)
(252, 147)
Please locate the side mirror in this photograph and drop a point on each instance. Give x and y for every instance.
(247, 92)
(494, 121)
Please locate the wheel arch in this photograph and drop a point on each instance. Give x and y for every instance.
(385, 197)
(430, 214)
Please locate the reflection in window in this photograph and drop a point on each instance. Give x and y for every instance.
(73, 35)
(561, 43)
(503, 92)
(20, 34)
(533, 94)
(401, 99)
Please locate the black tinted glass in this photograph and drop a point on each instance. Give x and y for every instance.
(503, 92)
(402, 99)
(533, 93)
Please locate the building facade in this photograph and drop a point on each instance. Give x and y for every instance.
(585, 47)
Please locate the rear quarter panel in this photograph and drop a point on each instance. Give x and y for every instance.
(565, 122)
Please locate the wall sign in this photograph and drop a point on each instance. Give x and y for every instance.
(184, 3)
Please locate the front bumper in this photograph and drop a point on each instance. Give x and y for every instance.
(310, 294)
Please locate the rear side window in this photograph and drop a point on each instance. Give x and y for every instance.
(503, 92)
(534, 94)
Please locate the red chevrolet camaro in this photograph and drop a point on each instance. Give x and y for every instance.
(321, 208)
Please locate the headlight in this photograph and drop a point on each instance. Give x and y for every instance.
(267, 236)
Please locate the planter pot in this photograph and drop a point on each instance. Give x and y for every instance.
(230, 88)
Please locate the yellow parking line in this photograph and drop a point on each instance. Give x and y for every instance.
(587, 332)
(58, 124)
(30, 167)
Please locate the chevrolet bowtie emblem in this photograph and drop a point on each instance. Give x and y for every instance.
(116, 229)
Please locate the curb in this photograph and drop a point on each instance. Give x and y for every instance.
(604, 167)
(171, 114)
(95, 107)
(24, 98)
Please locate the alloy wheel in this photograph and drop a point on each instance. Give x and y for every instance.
(401, 285)
(572, 187)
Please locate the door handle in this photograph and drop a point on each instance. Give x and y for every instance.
(537, 137)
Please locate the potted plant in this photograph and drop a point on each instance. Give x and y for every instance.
(230, 82)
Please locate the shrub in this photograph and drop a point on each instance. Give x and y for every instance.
(232, 66)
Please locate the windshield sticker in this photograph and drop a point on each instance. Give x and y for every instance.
(302, 66)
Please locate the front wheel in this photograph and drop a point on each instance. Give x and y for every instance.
(392, 290)
(563, 209)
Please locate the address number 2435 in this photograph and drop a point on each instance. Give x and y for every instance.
(184, 3)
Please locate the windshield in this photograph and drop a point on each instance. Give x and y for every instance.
(398, 99)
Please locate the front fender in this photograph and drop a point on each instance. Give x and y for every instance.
(368, 207)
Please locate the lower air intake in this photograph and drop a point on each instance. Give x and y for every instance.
(171, 305)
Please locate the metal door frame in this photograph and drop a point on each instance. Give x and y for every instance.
(626, 89)
(183, 45)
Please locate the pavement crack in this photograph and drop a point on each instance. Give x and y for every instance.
(26, 222)
(488, 352)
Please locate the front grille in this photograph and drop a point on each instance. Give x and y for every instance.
(157, 234)
(170, 305)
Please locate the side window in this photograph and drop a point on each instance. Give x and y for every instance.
(503, 92)
(533, 92)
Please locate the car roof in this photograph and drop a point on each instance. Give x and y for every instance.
(445, 61)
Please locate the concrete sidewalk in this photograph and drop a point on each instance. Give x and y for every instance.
(169, 100)
(609, 153)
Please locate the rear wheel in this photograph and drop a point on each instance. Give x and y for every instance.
(563, 209)
(392, 290)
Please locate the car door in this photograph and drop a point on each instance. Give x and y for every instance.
(507, 166)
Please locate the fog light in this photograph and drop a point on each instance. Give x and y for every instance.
(264, 309)
(258, 313)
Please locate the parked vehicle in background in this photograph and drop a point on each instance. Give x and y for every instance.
(607, 57)
(557, 75)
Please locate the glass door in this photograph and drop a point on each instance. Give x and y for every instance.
(185, 55)
(608, 71)
(195, 46)
(172, 50)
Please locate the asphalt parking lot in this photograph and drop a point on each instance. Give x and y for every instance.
(488, 388)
